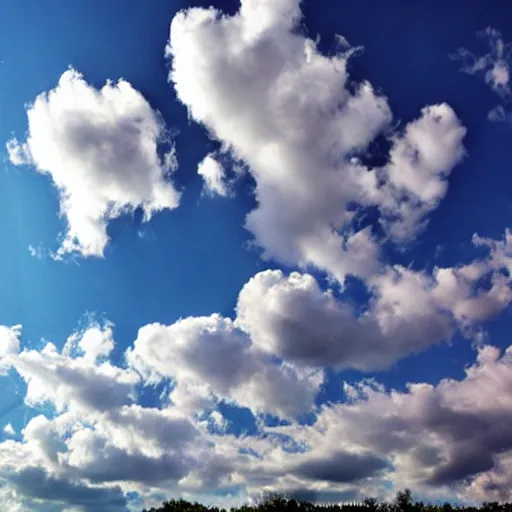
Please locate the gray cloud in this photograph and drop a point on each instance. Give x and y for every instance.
(36, 483)
(342, 467)
(450, 436)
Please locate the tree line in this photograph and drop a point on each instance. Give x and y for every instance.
(403, 502)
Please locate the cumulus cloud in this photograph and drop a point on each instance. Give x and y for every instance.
(99, 433)
(93, 343)
(72, 383)
(101, 440)
(293, 318)
(303, 128)
(36, 483)
(209, 358)
(214, 176)
(100, 148)
(9, 340)
(445, 440)
(294, 117)
(287, 328)
(420, 161)
(452, 434)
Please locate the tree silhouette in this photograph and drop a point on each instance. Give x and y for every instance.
(403, 502)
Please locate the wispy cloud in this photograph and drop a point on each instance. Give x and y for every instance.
(494, 66)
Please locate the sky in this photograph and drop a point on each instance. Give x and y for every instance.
(254, 247)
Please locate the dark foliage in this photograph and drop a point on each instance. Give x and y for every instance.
(402, 503)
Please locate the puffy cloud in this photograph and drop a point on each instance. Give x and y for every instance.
(11, 499)
(73, 383)
(446, 438)
(85, 382)
(100, 459)
(99, 434)
(36, 483)
(95, 342)
(196, 345)
(9, 343)
(218, 420)
(293, 318)
(496, 483)
(449, 436)
(461, 289)
(287, 327)
(150, 430)
(209, 358)
(100, 149)
(127, 444)
(214, 176)
(420, 162)
(266, 93)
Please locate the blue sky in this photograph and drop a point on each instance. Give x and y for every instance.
(266, 237)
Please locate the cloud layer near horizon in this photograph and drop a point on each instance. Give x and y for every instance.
(102, 443)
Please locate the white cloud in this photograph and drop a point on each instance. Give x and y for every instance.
(100, 149)
(9, 430)
(78, 384)
(447, 438)
(9, 340)
(37, 252)
(495, 65)
(93, 343)
(9, 345)
(495, 68)
(499, 75)
(286, 328)
(444, 441)
(293, 318)
(214, 176)
(209, 359)
(218, 420)
(99, 435)
(266, 93)
(420, 162)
